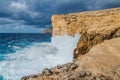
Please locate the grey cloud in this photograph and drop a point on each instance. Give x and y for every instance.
(4, 21)
(38, 12)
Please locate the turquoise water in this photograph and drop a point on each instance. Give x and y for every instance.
(27, 54)
(11, 46)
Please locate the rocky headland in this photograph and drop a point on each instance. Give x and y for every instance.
(97, 55)
(47, 31)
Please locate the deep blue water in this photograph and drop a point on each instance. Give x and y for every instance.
(8, 42)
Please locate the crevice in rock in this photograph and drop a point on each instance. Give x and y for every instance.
(87, 41)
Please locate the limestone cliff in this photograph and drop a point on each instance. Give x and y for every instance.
(94, 27)
(98, 50)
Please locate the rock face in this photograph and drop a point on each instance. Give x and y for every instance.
(94, 27)
(103, 58)
(97, 56)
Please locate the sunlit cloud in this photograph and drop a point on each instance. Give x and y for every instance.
(18, 5)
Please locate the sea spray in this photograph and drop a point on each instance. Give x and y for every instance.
(65, 45)
(34, 58)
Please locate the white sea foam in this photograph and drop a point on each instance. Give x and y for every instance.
(35, 58)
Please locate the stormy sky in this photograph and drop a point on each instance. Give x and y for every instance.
(33, 16)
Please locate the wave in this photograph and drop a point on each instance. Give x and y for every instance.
(35, 58)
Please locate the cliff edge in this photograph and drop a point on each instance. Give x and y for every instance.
(98, 51)
(94, 27)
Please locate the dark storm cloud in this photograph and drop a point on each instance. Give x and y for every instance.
(38, 12)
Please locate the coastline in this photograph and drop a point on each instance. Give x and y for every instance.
(97, 54)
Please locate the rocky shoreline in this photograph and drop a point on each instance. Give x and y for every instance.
(69, 74)
(98, 50)
(47, 31)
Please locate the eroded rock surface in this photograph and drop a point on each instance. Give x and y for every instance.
(94, 27)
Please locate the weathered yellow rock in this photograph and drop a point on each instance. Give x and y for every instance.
(94, 27)
(83, 21)
(103, 58)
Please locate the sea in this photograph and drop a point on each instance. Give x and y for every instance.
(23, 54)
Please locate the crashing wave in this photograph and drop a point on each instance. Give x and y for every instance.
(38, 56)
